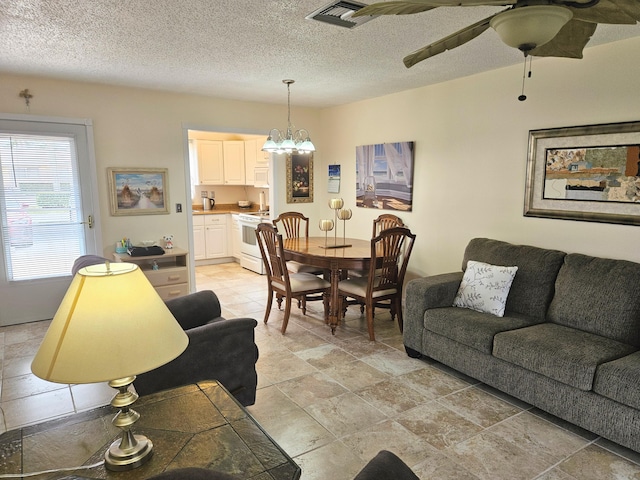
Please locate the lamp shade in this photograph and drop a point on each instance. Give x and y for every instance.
(529, 27)
(111, 324)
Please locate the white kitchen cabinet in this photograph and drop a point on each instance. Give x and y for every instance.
(215, 231)
(256, 164)
(234, 168)
(199, 241)
(235, 236)
(250, 159)
(262, 158)
(210, 162)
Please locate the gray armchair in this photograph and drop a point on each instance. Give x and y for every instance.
(219, 349)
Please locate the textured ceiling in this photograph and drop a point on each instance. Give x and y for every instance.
(242, 49)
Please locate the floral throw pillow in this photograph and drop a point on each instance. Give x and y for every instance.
(485, 287)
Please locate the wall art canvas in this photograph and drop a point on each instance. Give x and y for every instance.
(384, 176)
(138, 191)
(589, 173)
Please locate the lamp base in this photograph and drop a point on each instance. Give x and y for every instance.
(130, 451)
(119, 459)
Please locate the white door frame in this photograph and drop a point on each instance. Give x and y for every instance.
(47, 293)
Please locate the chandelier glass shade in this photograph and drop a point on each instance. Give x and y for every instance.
(296, 141)
(529, 27)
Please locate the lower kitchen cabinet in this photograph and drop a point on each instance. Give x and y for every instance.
(199, 248)
(235, 236)
(215, 236)
(210, 236)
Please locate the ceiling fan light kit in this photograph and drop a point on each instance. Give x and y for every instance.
(297, 141)
(541, 28)
(529, 27)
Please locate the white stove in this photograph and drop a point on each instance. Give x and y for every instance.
(250, 257)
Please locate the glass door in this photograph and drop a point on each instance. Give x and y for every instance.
(47, 185)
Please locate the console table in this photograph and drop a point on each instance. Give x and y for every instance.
(198, 425)
(171, 279)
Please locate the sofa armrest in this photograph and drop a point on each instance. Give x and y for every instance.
(195, 309)
(222, 350)
(421, 294)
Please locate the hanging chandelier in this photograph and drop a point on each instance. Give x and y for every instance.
(297, 141)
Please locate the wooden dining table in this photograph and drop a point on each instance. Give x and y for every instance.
(318, 252)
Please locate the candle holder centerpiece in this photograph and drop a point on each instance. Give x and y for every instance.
(336, 205)
(344, 214)
(326, 226)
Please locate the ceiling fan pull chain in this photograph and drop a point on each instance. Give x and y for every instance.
(523, 97)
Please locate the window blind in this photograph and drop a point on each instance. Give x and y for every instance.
(42, 231)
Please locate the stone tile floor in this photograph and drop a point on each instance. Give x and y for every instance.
(333, 401)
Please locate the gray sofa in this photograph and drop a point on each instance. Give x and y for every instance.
(568, 343)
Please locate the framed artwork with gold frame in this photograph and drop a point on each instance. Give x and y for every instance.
(138, 191)
(300, 178)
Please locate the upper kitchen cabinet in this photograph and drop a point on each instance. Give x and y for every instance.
(210, 162)
(232, 162)
(234, 168)
(256, 163)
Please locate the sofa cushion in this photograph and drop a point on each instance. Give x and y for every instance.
(485, 287)
(619, 380)
(599, 295)
(533, 286)
(564, 354)
(471, 328)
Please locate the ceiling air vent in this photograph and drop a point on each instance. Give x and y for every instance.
(340, 14)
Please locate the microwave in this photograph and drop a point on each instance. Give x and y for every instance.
(261, 177)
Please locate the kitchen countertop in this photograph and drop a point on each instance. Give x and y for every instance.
(224, 208)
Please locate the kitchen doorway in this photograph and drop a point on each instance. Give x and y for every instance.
(209, 153)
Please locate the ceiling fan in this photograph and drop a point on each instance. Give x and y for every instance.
(543, 28)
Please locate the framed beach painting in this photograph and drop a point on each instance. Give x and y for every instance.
(300, 178)
(589, 173)
(138, 191)
(384, 176)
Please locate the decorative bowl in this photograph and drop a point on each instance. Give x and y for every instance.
(244, 203)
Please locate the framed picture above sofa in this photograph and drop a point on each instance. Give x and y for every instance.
(589, 173)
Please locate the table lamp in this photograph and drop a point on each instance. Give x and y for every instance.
(111, 326)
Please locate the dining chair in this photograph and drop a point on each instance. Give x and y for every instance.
(281, 282)
(390, 252)
(383, 222)
(294, 224)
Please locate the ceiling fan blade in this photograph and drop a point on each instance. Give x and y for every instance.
(569, 42)
(418, 6)
(394, 8)
(610, 11)
(448, 43)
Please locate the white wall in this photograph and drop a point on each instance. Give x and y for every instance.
(471, 150)
(144, 128)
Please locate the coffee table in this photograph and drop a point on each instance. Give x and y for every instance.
(199, 425)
